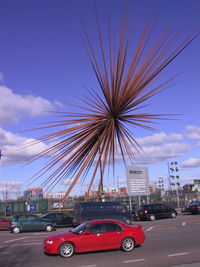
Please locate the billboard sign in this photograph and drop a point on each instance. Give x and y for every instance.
(137, 181)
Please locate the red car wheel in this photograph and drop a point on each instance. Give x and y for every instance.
(66, 249)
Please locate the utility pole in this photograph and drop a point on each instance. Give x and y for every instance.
(100, 191)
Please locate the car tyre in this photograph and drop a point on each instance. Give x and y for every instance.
(152, 217)
(173, 215)
(66, 250)
(127, 244)
(49, 228)
(16, 230)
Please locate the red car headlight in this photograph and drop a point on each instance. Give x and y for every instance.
(49, 242)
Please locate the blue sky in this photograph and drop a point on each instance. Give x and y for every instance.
(43, 62)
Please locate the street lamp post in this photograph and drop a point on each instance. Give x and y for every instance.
(161, 186)
(174, 178)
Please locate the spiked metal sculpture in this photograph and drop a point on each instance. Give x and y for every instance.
(90, 138)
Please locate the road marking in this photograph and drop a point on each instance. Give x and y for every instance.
(25, 244)
(134, 260)
(183, 223)
(87, 266)
(41, 233)
(169, 227)
(150, 228)
(16, 239)
(4, 253)
(178, 254)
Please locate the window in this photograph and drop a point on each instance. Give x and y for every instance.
(97, 228)
(32, 218)
(112, 227)
(49, 216)
(22, 218)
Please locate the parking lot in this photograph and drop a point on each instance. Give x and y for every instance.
(169, 242)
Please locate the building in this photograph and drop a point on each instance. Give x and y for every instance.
(34, 193)
(58, 195)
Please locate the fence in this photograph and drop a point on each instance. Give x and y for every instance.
(8, 208)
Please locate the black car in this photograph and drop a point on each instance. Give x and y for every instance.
(60, 219)
(156, 211)
(195, 207)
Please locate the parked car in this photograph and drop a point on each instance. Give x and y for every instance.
(60, 219)
(156, 211)
(95, 235)
(195, 207)
(4, 223)
(29, 222)
(186, 208)
(84, 211)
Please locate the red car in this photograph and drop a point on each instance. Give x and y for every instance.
(4, 223)
(95, 235)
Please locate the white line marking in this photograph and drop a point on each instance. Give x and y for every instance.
(16, 239)
(150, 228)
(183, 223)
(3, 253)
(169, 227)
(178, 254)
(134, 260)
(27, 244)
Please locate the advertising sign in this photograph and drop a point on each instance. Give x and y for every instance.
(137, 181)
(31, 207)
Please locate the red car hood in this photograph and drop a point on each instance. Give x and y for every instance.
(60, 236)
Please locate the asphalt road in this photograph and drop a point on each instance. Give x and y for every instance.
(169, 242)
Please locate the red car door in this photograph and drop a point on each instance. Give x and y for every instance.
(4, 224)
(112, 235)
(91, 239)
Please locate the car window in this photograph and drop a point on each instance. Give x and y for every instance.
(49, 216)
(32, 218)
(112, 227)
(79, 229)
(97, 228)
(59, 215)
(1, 219)
(22, 218)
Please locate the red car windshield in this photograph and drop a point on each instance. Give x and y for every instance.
(79, 229)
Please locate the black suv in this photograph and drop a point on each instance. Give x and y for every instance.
(156, 211)
(60, 219)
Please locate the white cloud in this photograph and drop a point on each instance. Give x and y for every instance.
(14, 107)
(10, 144)
(193, 132)
(191, 163)
(159, 147)
(154, 154)
(158, 139)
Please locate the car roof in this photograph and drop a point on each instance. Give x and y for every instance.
(54, 212)
(103, 221)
